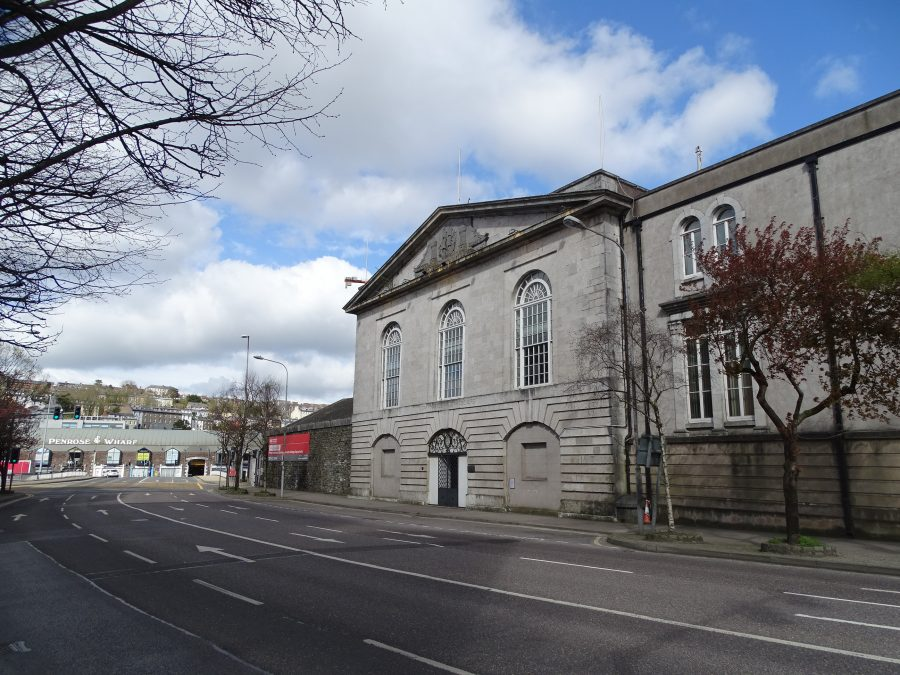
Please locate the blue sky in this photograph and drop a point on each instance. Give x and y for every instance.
(530, 93)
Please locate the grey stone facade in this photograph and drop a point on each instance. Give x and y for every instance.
(723, 470)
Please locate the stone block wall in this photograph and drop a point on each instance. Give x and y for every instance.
(328, 467)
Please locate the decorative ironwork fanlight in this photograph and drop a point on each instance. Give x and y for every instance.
(447, 442)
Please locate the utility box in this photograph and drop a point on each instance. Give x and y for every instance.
(649, 450)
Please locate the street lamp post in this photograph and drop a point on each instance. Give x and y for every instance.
(578, 224)
(283, 425)
(241, 449)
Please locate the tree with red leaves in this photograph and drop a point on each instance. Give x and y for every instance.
(819, 315)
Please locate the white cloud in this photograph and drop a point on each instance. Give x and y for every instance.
(426, 81)
(840, 76)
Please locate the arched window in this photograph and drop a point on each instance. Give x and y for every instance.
(690, 243)
(724, 226)
(452, 331)
(172, 457)
(533, 331)
(113, 457)
(143, 457)
(391, 366)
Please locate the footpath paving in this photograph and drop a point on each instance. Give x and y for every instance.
(853, 554)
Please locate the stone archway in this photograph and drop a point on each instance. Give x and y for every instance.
(386, 468)
(447, 468)
(532, 468)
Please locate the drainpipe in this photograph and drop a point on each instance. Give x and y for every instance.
(838, 442)
(643, 310)
(629, 388)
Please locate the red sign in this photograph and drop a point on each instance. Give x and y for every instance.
(296, 450)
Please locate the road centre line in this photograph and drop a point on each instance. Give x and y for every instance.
(68, 498)
(536, 598)
(855, 623)
(590, 567)
(407, 534)
(99, 538)
(879, 590)
(76, 525)
(856, 602)
(139, 557)
(309, 536)
(65, 516)
(205, 506)
(269, 519)
(327, 529)
(234, 513)
(227, 592)
(417, 543)
(416, 657)
(240, 508)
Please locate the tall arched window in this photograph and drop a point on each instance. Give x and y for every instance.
(452, 330)
(172, 457)
(690, 243)
(391, 365)
(113, 456)
(533, 331)
(724, 226)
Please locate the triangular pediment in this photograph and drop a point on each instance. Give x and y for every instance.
(455, 235)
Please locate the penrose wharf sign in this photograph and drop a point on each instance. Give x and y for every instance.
(97, 440)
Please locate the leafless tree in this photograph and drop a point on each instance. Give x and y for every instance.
(17, 389)
(109, 108)
(599, 349)
(267, 416)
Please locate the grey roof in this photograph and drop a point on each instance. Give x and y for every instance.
(335, 415)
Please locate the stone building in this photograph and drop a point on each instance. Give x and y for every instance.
(467, 390)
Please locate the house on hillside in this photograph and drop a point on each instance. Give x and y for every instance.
(467, 389)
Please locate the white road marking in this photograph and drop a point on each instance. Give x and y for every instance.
(855, 623)
(185, 501)
(68, 498)
(139, 520)
(234, 513)
(856, 602)
(416, 657)
(218, 551)
(103, 511)
(16, 518)
(417, 543)
(19, 647)
(309, 536)
(140, 557)
(879, 590)
(44, 499)
(327, 529)
(137, 609)
(93, 497)
(240, 508)
(76, 526)
(227, 592)
(202, 505)
(176, 508)
(269, 519)
(407, 534)
(536, 598)
(98, 538)
(590, 567)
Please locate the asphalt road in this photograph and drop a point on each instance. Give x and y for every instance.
(116, 575)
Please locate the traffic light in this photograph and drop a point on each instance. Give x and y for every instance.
(57, 413)
(77, 412)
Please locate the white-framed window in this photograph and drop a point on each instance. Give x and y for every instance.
(42, 457)
(452, 332)
(691, 241)
(724, 225)
(738, 387)
(172, 457)
(533, 337)
(699, 381)
(113, 457)
(391, 344)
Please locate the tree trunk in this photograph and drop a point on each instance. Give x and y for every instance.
(663, 465)
(790, 485)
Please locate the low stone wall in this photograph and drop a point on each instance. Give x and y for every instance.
(739, 483)
(328, 467)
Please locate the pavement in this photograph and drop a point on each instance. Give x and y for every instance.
(870, 556)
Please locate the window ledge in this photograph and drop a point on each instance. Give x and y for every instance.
(705, 424)
(730, 424)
